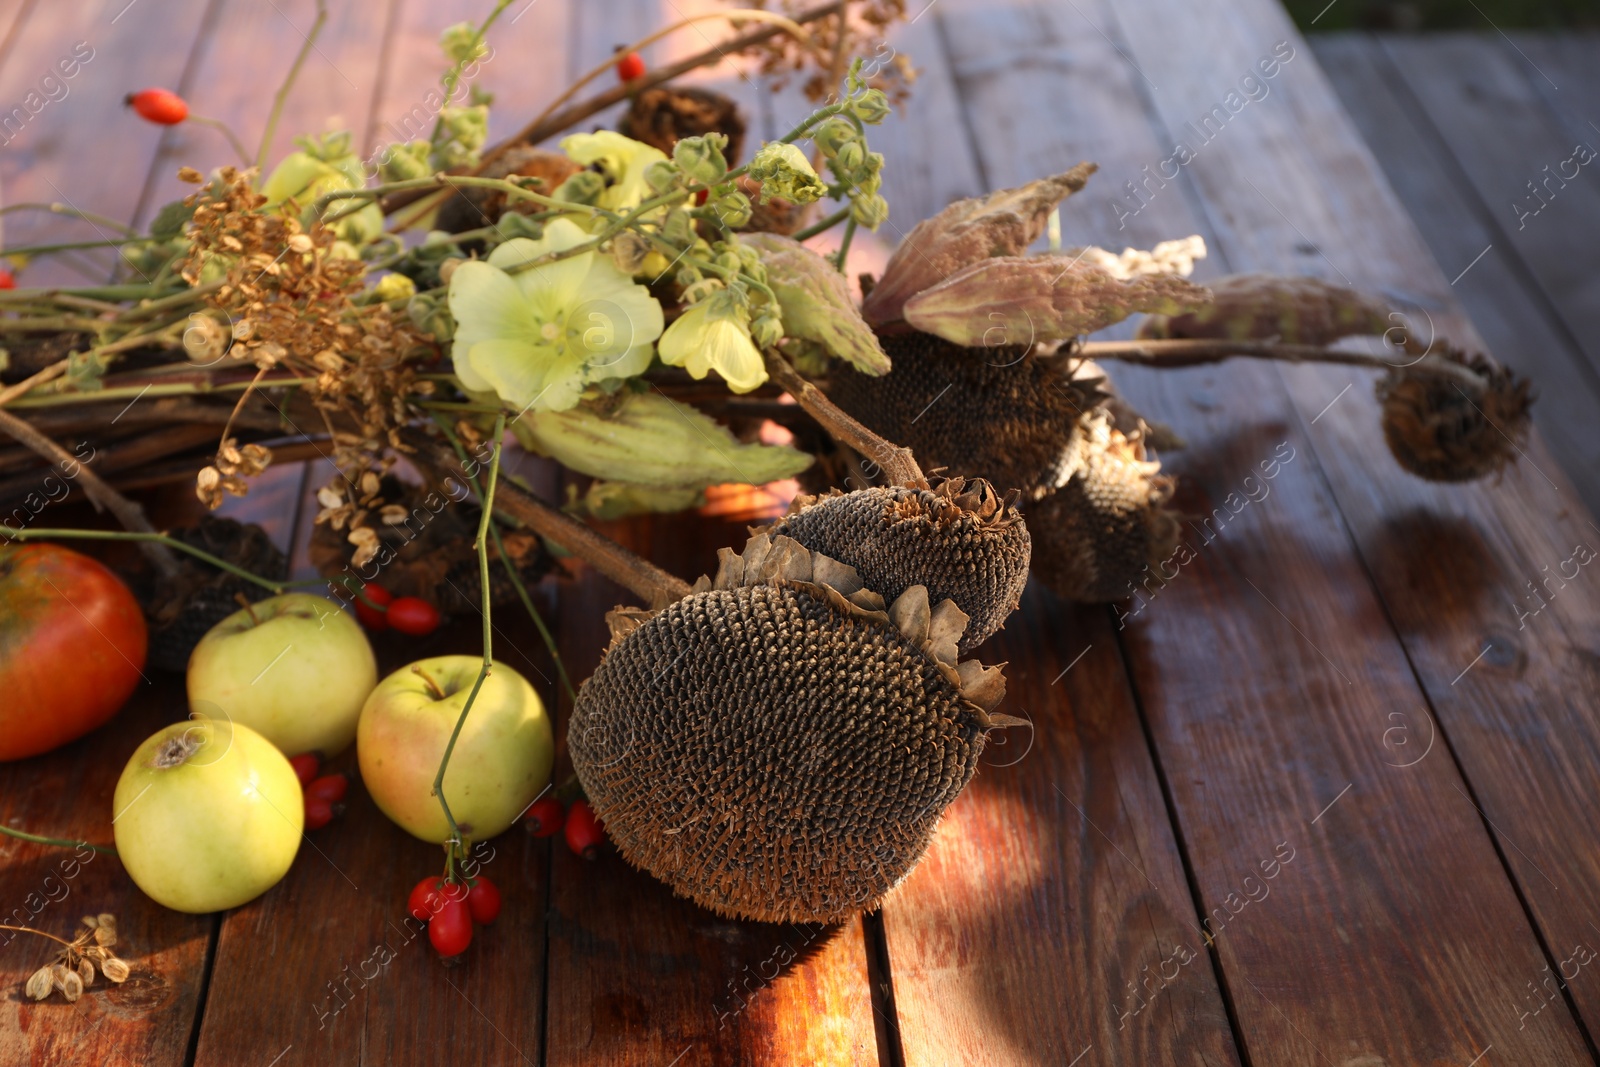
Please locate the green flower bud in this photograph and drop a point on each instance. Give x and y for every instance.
(468, 125)
(661, 175)
(848, 160)
(678, 228)
(733, 209)
(402, 162)
(702, 158)
(871, 107)
(430, 313)
(461, 43)
(869, 210)
(766, 330)
(833, 135)
(783, 171)
(583, 187)
(515, 224)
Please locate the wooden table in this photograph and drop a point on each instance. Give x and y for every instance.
(1328, 798)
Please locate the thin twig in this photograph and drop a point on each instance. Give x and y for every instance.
(39, 839)
(42, 534)
(1192, 352)
(101, 495)
(288, 84)
(53, 371)
(896, 461)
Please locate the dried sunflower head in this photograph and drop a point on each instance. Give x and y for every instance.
(960, 540)
(779, 745)
(1455, 427)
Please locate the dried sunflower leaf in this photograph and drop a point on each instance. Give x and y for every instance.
(1295, 310)
(1003, 223)
(1017, 299)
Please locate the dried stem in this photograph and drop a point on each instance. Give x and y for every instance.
(38, 839)
(573, 114)
(282, 95)
(129, 514)
(53, 371)
(43, 534)
(895, 461)
(1192, 352)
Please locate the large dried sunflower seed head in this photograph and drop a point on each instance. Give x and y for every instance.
(1447, 428)
(960, 540)
(780, 744)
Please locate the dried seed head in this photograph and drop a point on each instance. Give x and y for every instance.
(1295, 310)
(1096, 534)
(779, 745)
(1447, 429)
(960, 540)
(995, 413)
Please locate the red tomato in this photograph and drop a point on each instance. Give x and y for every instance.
(319, 812)
(545, 817)
(430, 894)
(7, 279)
(629, 67)
(483, 900)
(585, 833)
(72, 645)
(305, 767)
(374, 618)
(330, 787)
(450, 930)
(414, 616)
(160, 106)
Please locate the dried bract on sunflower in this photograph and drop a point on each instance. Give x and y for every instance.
(961, 540)
(1453, 427)
(780, 744)
(1294, 310)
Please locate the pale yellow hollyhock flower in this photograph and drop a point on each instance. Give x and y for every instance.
(539, 337)
(623, 161)
(712, 335)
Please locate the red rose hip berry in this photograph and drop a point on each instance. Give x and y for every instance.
(305, 767)
(450, 929)
(629, 67)
(319, 813)
(414, 616)
(330, 787)
(374, 617)
(160, 106)
(545, 817)
(483, 900)
(584, 832)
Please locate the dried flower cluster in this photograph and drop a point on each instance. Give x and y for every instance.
(73, 969)
(290, 294)
(783, 57)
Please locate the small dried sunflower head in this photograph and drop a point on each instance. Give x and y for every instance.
(1455, 428)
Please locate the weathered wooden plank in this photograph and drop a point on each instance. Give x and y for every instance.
(1450, 564)
(1469, 241)
(639, 976)
(1561, 69)
(1257, 730)
(48, 122)
(1526, 167)
(1054, 887)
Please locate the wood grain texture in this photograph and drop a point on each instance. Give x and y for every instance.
(1520, 159)
(1258, 727)
(641, 977)
(1509, 674)
(1051, 919)
(1469, 240)
(42, 151)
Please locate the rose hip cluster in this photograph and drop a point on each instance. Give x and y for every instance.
(451, 908)
(324, 794)
(583, 832)
(379, 609)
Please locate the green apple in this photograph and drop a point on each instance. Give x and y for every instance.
(294, 668)
(207, 815)
(501, 761)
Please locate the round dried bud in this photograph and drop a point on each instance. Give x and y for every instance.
(300, 243)
(1445, 428)
(778, 745)
(960, 540)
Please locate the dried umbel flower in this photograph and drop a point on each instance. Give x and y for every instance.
(779, 745)
(1454, 427)
(1097, 534)
(960, 540)
(1295, 310)
(73, 970)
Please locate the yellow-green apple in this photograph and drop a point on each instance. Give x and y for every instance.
(501, 761)
(207, 815)
(294, 668)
